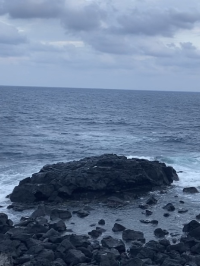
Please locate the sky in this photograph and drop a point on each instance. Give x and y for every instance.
(114, 44)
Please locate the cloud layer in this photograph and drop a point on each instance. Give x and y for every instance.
(147, 37)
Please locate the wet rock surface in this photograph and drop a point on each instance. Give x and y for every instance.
(89, 176)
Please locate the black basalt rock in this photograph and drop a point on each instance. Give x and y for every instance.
(190, 190)
(110, 242)
(60, 214)
(5, 223)
(158, 232)
(105, 173)
(118, 227)
(169, 207)
(129, 235)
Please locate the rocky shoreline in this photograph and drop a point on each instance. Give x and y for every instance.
(45, 238)
(48, 236)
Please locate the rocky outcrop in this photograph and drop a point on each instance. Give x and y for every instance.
(106, 173)
(34, 242)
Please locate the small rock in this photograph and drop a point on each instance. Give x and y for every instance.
(88, 208)
(174, 240)
(198, 216)
(148, 212)
(143, 206)
(182, 202)
(158, 232)
(169, 207)
(166, 214)
(95, 233)
(118, 227)
(182, 210)
(149, 221)
(92, 225)
(152, 200)
(101, 229)
(101, 222)
(82, 213)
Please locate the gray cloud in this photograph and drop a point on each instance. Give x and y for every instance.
(10, 35)
(11, 51)
(110, 44)
(156, 22)
(25, 9)
(85, 18)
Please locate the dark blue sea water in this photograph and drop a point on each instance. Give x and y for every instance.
(39, 126)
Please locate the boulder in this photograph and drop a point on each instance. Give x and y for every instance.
(5, 223)
(74, 257)
(129, 235)
(195, 233)
(58, 225)
(118, 227)
(105, 173)
(79, 240)
(60, 214)
(40, 211)
(133, 262)
(135, 248)
(64, 246)
(107, 259)
(191, 226)
(191, 190)
(110, 242)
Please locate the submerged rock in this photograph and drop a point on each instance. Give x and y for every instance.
(106, 173)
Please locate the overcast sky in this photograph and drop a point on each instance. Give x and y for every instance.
(122, 44)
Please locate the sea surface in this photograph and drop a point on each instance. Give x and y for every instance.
(41, 126)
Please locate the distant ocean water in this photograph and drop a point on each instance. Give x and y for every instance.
(41, 126)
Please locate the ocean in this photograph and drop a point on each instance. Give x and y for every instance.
(41, 126)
